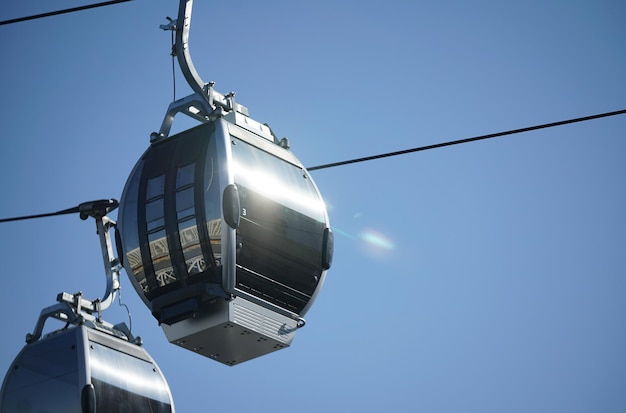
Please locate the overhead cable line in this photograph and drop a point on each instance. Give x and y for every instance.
(85, 210)
(475, 138)
(49, 214)
(88, 207)
(64, 11)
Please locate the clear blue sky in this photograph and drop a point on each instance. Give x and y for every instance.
(488, 277)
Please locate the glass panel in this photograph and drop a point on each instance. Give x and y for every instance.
(44, 374)
(125, 383)
(185, 175)
(281, 230)
(214, 227)
(156, 187)
(160, 254)
(130, 230)
(185, 204)
(213, 208)
(154, 203)
(190, 242)
(187, 226)
(155, 225)
(276, 179)
(155, 215)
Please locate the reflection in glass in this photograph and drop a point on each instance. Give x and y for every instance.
(155, 187)
(130, 230)
(126, 383)
(171, 213)
(155, 215)
(276, 179)
(212, 207)
(155, 222)
(281, 230)
(185, 215)
(44, 374)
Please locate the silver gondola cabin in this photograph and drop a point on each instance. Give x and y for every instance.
(225, 237)
(222, 231)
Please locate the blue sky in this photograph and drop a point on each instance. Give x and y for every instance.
(486, 277)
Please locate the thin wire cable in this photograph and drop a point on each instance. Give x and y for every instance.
(50, 214)
(121, 304)
(387, 155)
(174, 65)
(476, 138)
(64, 11)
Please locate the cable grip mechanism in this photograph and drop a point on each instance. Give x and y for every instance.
(73, 308)
(205, 104)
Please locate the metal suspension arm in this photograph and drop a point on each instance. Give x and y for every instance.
(73, 308)
(182, 47)
(111, 264)
(205, 103)
(99, 210)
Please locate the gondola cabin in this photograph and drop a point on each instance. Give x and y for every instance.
(84, 370)
(225, 237)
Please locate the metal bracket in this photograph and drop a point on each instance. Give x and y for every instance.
(112, 266)
(171, 26)
(205, 104)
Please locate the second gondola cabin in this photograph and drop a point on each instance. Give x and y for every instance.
(225, 237)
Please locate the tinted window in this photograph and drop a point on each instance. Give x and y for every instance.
(281, 229)
(124, 383)
(44, 374)
(276, 179)
(169, 212)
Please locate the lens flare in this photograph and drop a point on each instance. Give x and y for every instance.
(376, 239)
(343, 233)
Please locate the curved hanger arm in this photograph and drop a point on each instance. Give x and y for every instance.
(182, 47)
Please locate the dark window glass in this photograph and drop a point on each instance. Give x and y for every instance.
(44, 374)
(155, 215)
(155, 187)
(124, 383)
(187, 227)
(155, 226)
(185, 175)
(212, 206)
(276, 179)
(171, 214)
(185, 208)
(281, 228)
(130, 231)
